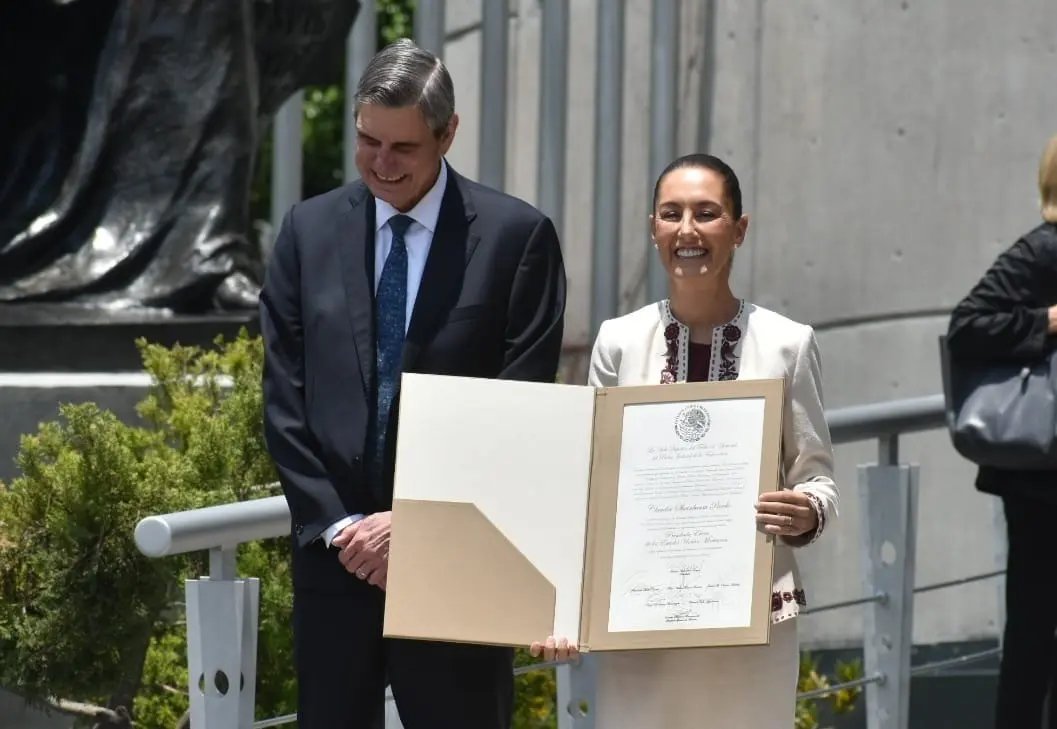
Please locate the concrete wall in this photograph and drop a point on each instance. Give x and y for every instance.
(887, 150)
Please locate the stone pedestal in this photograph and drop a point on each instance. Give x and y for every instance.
(14, 714)
(52, 354)
(58, 338)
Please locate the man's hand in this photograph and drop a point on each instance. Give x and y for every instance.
(365, 548)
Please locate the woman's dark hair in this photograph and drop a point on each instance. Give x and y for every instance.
(731, 186)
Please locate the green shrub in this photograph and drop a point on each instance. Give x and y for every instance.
(83, 615)
(840, 702)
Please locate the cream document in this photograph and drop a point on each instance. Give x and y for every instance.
(685, 540)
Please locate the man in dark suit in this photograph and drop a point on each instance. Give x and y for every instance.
(413, 268)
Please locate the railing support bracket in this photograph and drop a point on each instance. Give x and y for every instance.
(222, 617)
(888, 504)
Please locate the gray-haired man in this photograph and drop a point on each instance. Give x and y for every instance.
(413, 268)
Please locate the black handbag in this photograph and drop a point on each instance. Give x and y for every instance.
(1002, 414)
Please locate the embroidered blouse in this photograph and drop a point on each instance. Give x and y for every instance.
(696, 362)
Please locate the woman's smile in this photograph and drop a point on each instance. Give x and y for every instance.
(691, 252)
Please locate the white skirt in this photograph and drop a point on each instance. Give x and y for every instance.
(716, 688)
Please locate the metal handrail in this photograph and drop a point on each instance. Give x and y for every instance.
(118, 380)
(882, 419)
(228, 525)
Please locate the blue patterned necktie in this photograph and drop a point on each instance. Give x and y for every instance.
(390, 323)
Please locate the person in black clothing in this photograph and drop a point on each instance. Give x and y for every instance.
(1012, 314)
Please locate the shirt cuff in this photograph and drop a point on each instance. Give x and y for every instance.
(820, 512)
(332, 531)
(809, 538)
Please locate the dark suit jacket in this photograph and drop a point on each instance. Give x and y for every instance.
(1006, 317)
(491, 304)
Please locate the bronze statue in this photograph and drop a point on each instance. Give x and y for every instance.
(128, 135)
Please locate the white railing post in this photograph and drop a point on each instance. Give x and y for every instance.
(222, 615)
(576, 694)
(888, 504)
(563, 679)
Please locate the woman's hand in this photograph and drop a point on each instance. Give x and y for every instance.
(785, 513)
(554, 649)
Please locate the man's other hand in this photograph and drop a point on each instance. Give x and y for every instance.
(365, 548)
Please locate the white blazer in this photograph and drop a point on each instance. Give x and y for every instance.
(650, 346)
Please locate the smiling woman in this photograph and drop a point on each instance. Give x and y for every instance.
(702, 331)
(697, 224)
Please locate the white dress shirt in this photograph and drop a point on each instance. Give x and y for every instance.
(418, 239)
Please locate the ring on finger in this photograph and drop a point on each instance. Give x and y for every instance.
(361, 574)
(788, 521)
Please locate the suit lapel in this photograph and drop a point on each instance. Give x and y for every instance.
(356, 243)
(453, 244)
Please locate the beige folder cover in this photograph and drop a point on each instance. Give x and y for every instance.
(505, 496)
(489, 510)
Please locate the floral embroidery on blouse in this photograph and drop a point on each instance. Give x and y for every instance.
(820, 511)
(670, 373)
(728, 361)
(725, 342)
(778, 598)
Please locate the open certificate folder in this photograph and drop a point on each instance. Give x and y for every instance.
(621, 518)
